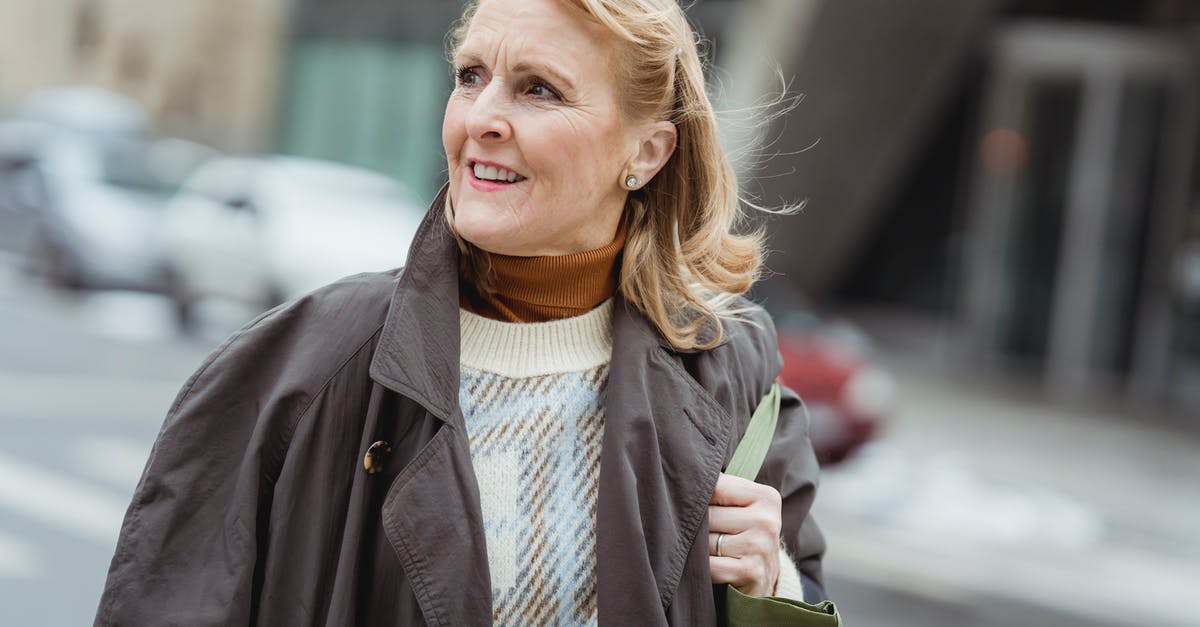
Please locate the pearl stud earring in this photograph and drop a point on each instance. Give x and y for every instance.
(631, 182)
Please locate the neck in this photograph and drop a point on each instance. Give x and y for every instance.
(539, 289)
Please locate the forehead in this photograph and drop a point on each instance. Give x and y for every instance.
(549, 29)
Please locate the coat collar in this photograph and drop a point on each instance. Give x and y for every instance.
(663, 446)
(419, 346)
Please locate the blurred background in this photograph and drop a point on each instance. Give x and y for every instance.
(990, 300)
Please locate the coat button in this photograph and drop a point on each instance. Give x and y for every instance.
(376, 453)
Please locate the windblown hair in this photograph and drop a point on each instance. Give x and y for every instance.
(683, 266)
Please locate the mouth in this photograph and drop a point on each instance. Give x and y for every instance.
(493, 173)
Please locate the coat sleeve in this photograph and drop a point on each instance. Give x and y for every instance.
(188, 545)
(791, 467)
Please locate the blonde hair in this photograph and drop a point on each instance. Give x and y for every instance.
(683, 265)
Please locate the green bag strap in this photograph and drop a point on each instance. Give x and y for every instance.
(752, 450)
(745, 611)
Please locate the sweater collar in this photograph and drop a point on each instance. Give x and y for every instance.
(529, 349)
(540, 289)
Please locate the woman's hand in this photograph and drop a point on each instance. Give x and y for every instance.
(749, 516)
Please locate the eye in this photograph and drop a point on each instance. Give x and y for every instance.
(539, 89)
(468, 76)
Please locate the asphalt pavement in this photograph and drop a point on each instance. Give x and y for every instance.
(1013, 505)
(84, 383)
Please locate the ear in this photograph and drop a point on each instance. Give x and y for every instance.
(655, 146)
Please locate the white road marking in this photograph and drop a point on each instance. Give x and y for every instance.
(85, 398)
(117, 460)
(117, 314)
(18, 560)
(130, 316)
(66, 504)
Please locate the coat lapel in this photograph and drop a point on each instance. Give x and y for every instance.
(431, 514)
(418, 347)
(664, 445)
(433, 521)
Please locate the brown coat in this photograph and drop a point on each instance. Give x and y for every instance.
(254, 507)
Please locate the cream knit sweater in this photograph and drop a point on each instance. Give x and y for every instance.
(533, 398)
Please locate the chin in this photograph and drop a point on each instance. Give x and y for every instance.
(486, 228)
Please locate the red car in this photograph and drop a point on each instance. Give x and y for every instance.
(848, 396)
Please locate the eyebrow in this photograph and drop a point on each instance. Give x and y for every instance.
(524, 67)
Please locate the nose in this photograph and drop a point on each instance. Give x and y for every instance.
(488, 118)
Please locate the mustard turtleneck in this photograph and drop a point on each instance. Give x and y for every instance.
(540, 289)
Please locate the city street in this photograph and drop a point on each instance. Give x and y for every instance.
(922, 531)
(986, 503)
(81, 399)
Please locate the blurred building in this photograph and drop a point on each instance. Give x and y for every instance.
(204, 70)
(366, 81)
(1085, 173)
(1023, 172)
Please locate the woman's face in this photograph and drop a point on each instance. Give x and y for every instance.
(535, 140)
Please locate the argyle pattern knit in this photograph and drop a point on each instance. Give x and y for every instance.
(532, 395)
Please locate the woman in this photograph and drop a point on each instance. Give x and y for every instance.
(526, 424)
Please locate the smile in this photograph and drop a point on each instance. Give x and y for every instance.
(495, 174)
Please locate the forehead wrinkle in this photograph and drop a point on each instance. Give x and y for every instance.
(533, 58)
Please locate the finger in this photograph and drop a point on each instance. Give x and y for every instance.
(747, 575)
(741, 545)
(751, 543)
(730, 519)
(728, 570)
(734, 491)
(729, 544)
(738, 492)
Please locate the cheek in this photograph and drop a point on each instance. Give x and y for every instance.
(454, 131)
(582, 154)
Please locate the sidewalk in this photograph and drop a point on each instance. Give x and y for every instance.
(976, 493)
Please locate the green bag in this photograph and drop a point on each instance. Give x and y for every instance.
(747, 611)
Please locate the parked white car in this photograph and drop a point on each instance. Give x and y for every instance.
(265, 230)
(83, 208)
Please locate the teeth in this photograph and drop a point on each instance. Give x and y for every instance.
(492, 173)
